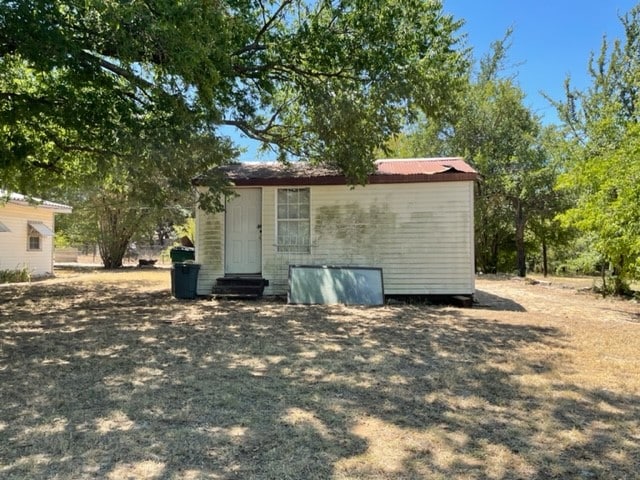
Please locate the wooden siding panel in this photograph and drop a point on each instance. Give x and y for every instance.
(13, 244)
(209, 249)
(420, 234)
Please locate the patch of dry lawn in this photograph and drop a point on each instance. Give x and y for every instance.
(104, 375)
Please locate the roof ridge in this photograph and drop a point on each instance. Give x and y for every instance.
(20, 199)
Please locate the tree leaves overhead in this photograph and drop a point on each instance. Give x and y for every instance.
(89, 86)
(123, 102)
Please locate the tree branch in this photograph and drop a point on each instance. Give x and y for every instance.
(290, 68)
(265, 134)
(26, 98)
(260, 134)
(255, 45)
(69, 148)
(120, 71)
(316, 73)
(46, 166)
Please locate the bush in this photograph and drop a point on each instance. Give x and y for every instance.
(17, 275)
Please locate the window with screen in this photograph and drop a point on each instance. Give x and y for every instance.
(294, 223)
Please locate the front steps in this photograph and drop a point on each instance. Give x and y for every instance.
(240, 286)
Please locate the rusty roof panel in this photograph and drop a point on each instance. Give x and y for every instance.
(423, 166)
(415, 170)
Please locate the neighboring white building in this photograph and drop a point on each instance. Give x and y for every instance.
(26, 232)
(414, 219)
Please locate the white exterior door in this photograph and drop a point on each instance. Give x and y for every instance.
(243, 243)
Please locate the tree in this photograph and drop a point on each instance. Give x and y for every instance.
(134, 97)
(490, 126)
(111, 214)
(602, 140)
(87, 87)
(608, 205)
(547, 230)
(509, 157)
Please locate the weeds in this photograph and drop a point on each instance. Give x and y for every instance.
(15, 276)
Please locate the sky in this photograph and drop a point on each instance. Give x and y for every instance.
(551, 39)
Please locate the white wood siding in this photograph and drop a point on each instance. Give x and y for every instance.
(13, 245)
(421, 234)
(209, 249)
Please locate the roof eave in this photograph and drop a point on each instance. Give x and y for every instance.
(340, 180)
(58, 208)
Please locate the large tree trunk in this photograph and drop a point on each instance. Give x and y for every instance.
(112, 243)
(112, 252)
(521, 259)
(116, 225)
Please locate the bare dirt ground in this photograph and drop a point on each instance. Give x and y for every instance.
(105, 375)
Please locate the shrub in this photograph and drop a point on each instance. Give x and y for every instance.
(17, 275)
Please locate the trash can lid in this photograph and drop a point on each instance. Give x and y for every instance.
(183, 249)
(185, 264)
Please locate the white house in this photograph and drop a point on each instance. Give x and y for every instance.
(413, 219)
(26, 232)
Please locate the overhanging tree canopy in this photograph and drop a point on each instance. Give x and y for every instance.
(143, 87)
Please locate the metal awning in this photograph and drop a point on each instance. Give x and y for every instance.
(42, 229)
(4, 228)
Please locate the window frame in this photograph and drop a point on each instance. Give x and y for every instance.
(32, 234)
(296, 248)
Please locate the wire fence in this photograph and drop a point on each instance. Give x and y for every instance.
(90, 255)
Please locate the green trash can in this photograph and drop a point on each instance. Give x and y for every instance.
(184, 280)
(182, 254)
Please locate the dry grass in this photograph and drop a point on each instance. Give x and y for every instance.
(106, 376)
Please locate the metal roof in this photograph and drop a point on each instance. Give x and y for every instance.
(19, 199)
(41, 228)
(423, 166)
(414, 170)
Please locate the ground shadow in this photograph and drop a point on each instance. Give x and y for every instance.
(494, 302)
(106, 382)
